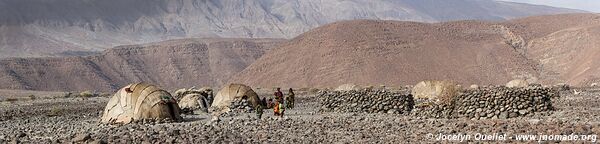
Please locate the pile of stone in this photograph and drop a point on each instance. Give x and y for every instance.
(237, 106)
(366, 101)
(490, 103)
(240, 106)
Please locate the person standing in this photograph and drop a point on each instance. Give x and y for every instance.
(281, 110)
(278, 95)
(276, 108)
(210, 97)
(290, 99)
(264, 101)
(270, 104)
(259, 111)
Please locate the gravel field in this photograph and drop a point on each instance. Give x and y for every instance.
(67, 120)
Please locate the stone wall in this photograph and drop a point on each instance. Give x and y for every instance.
(481, 103)
(369, 101)
(237, 106)
(490, 102)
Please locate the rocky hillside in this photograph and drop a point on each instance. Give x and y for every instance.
(567, 47)
(63, 27)
(370, 52)
(552, 49)
(171, 64)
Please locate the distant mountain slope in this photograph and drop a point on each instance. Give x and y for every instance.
(552, 49)
(570, 55)
(567, 47)
(171, 64)
(51, 27)
(393, 53)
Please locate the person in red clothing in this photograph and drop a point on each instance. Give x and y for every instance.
(279, 95)
(276, 111)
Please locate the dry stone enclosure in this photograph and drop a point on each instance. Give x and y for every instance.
(368, 101)
(488, 102)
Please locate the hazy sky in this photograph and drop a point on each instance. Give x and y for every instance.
(588, 5)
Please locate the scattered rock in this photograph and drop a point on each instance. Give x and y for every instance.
(21, 134)
(98, 141)
(523, 112)
(81, 137)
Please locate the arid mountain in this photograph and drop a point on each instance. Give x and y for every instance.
(171, 64)
(30, 28)
(567, 47)
(370, 52)
(557, 48)
(553, 49)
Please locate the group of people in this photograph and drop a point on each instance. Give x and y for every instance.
(279, 103)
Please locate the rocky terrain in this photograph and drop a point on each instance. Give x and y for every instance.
(75, 119)
(549, 49)
(390, 43)
(171, 64)
(36, 28)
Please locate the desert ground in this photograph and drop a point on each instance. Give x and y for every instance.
(51, 117)
(61, 62)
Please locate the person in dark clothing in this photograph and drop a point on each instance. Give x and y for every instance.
(290, 99)
(278, 95)
(259, 111)
(210, 97)
(270, 104)
(264, 102)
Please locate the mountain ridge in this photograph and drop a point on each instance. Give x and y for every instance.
(50, 27)
(371, 52)
(547, 49)
(171, 64)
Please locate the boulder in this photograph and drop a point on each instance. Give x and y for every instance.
(347, 87)
(439, 91)
(519, 83)
(474, 86)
